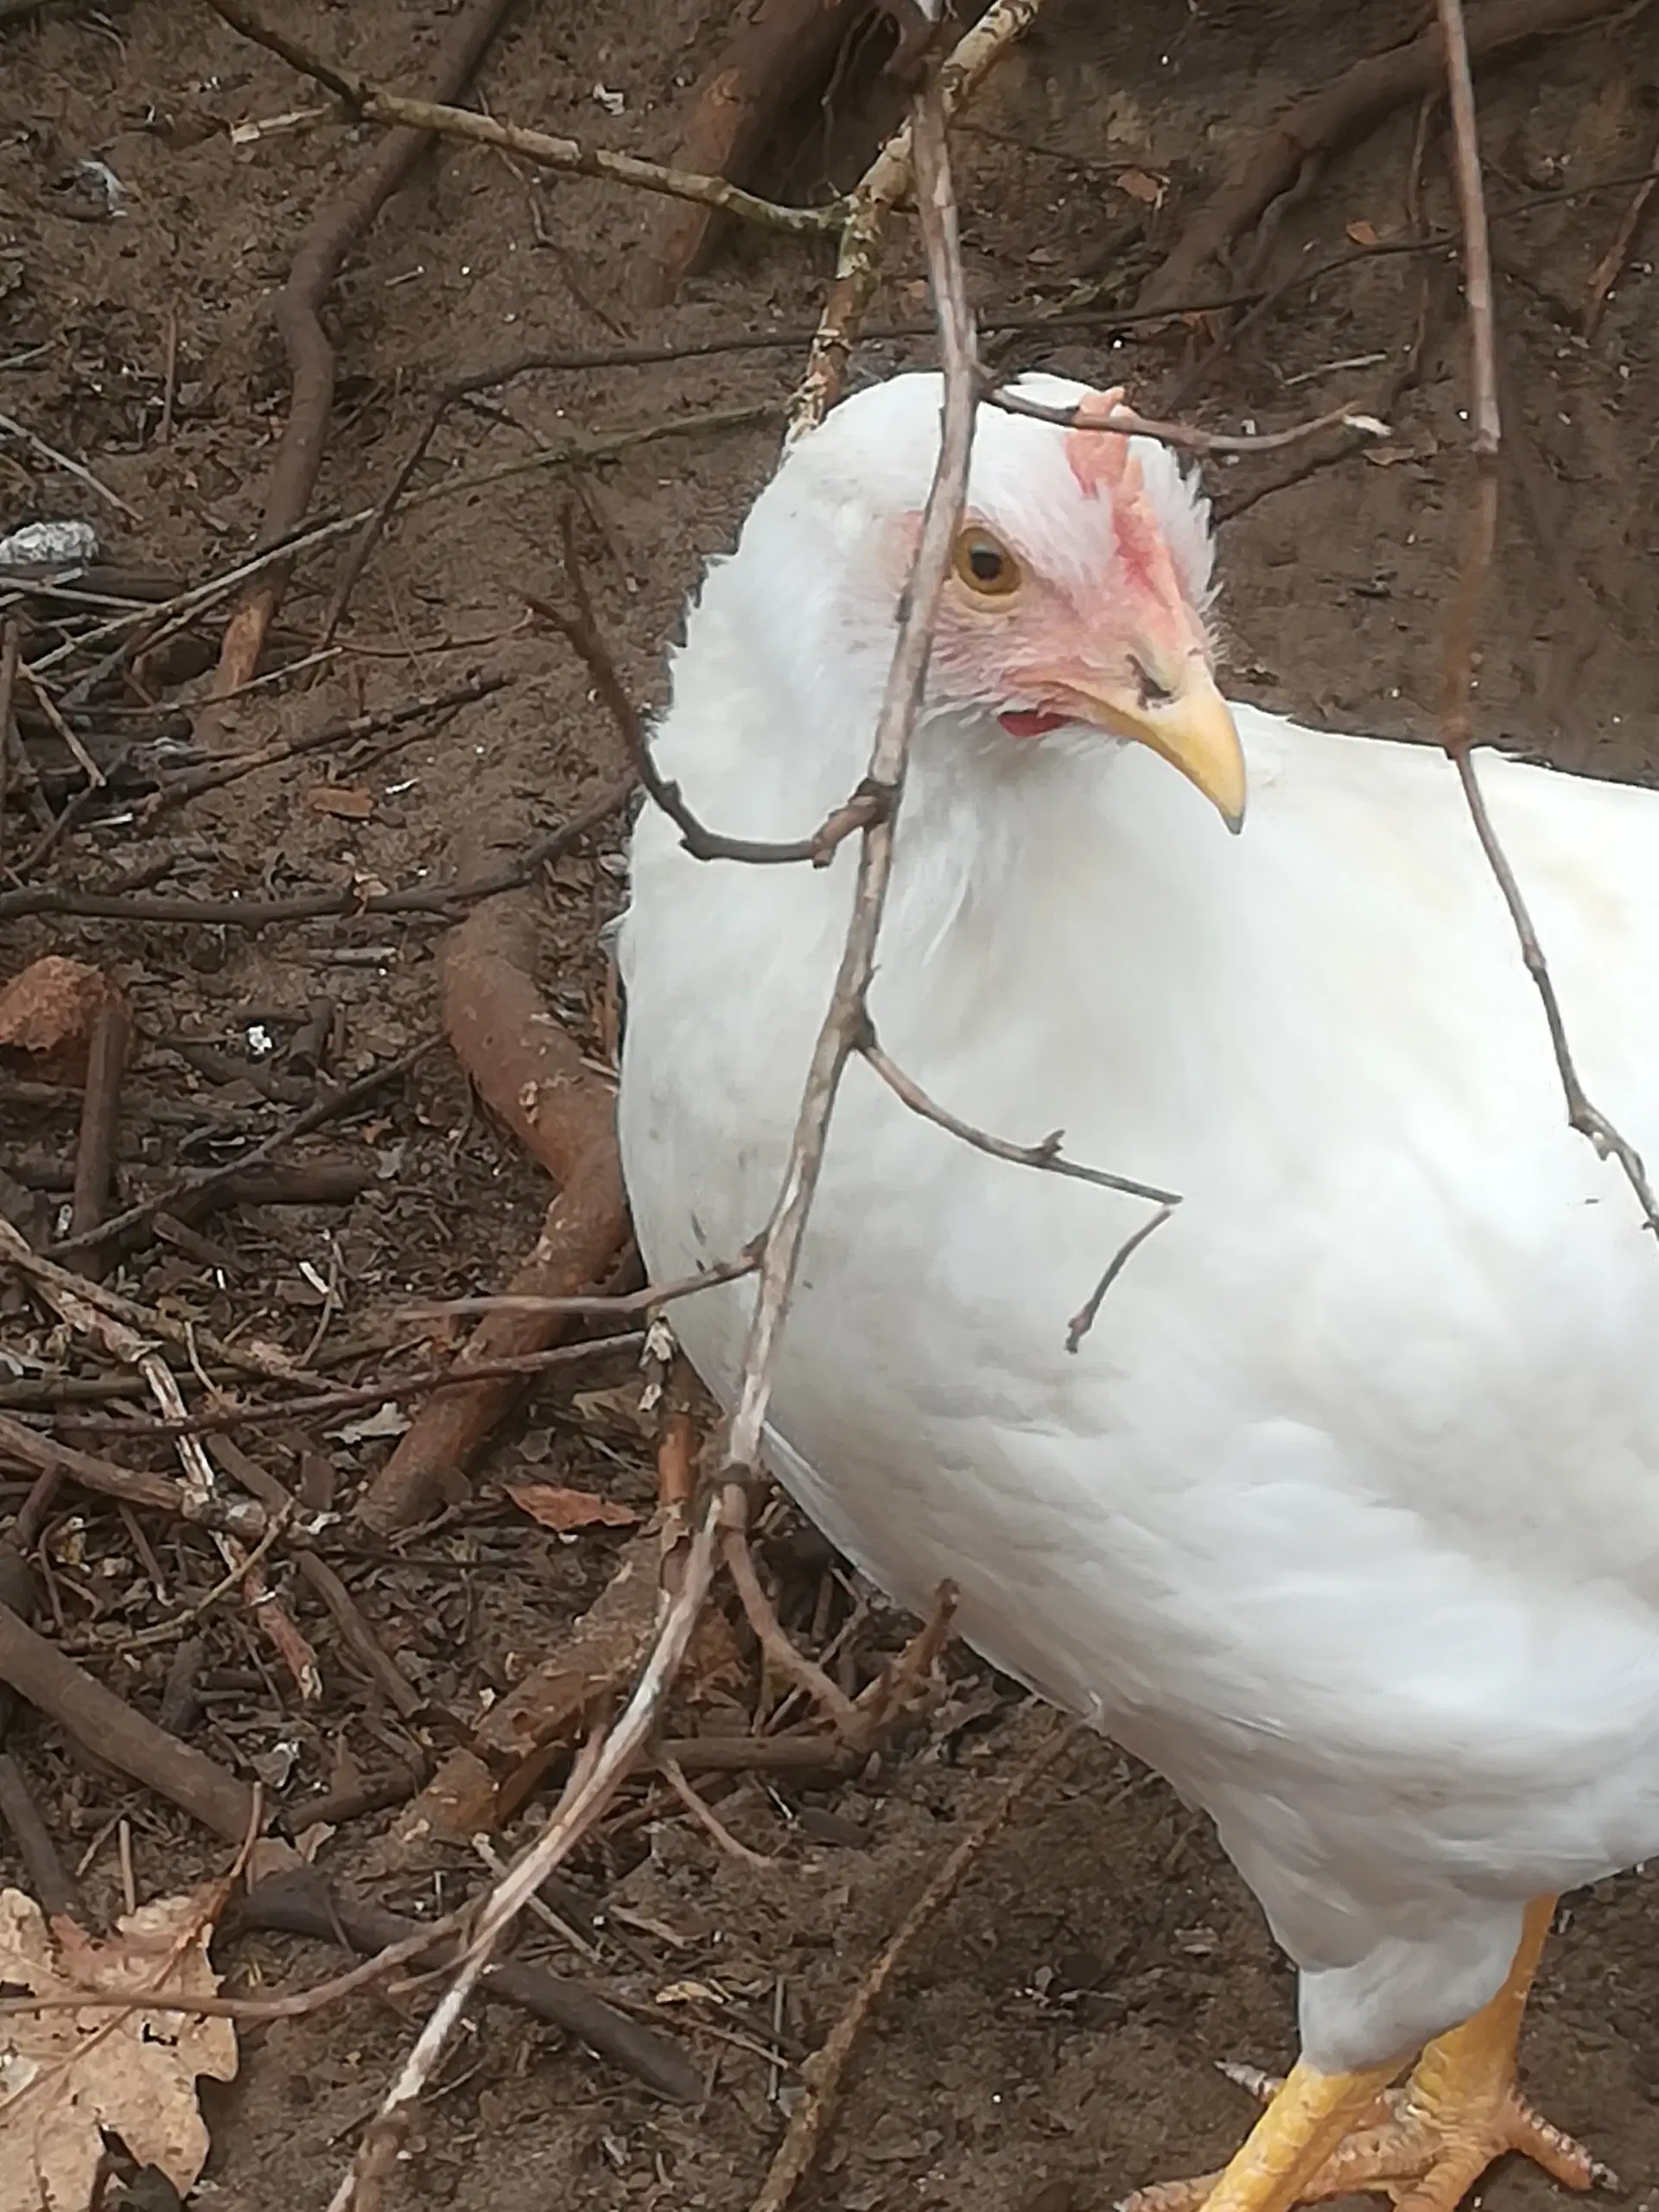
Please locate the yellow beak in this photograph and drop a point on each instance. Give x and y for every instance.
(1193, 728)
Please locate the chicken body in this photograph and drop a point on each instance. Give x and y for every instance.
(1345, 1513)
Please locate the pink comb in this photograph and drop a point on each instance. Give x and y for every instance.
(1101, 460)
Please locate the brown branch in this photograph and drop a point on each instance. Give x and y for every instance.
(775, 55)
(1127, 424)
(844, 1022)
(9, 636)
(54, 1891)
(883, 185)
(531, 1074)
(1457, 734)
(810, 2119)
(91, 1305)
(213, 775)
(566, 155)
(95, 1149)
(582, 447)
(192, 1189)
(329, 238)
(1338, 115)
(1084, 1319)
(438, 900)
(645, 1300)
(113, 1730)
(1606, 271)
(777, 1646)
(301, 1904)
(27, 1447)
(522, 1368)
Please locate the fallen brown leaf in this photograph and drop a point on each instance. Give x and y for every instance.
(1142, 185)
(341, 800)
(555, 1507)
(65, 2076)
(1364, 233)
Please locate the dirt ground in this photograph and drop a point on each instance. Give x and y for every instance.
(1052, 2040)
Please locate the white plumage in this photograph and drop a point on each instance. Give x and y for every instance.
(1345, 1516)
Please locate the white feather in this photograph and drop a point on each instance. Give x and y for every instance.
(1346, 1514)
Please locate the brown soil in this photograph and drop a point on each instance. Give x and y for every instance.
(1051, 2041)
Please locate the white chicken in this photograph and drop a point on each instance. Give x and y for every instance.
(1345, 1517)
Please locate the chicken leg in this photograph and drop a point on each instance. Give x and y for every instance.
(1424, 2145)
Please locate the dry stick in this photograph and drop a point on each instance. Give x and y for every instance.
(192, 1188)
(9, 649)
(54, 1891)
(1127, 424)
(776, 54)
(1607, 269)
(322, 250)
(67, 463)
(61, 1287)
(27, 1447)
(588, 1794)
(439, 901)
(311, 1407)
(813, 2114)
(173, 614)
(567, 156)
(359, 1637)
(213, 775)
(533, 1077)
(302, 1904)
(110, 1729)
(95, 1150)
(1044, 1154)
(645, 1300)
(581, 630)
(879, 191)
(1457, 734)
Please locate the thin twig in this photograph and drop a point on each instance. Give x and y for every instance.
(883, 185)
(584, 447)
(9, 636)
(705, 1817)
(1044, 1154)
(326, 1109)
(1127, 424)
(843, 1023)
(1607, 269)
(567, 156)
(1084, 1319)
(812, 2115)
(1457, 734)
(580, 629)
(594, 1780)
(70, 466)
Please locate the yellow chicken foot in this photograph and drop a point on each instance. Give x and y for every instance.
(1424, 2145)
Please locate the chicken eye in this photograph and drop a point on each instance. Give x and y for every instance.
(984, 563)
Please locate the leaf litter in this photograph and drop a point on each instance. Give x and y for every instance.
(67, 2075)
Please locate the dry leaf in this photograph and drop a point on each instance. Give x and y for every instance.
(349, 804)
(555, 1507)
(1141, 185)
(1363, 233)
(64, 2075)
